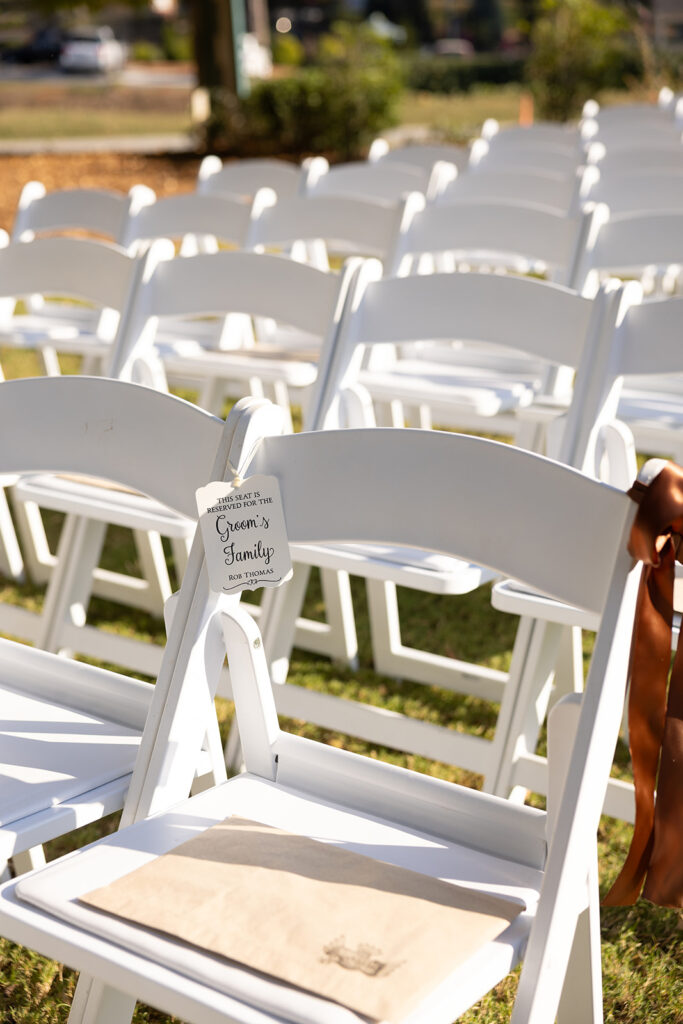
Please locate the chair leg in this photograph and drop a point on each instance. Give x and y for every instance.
(524, 706)
(80, 546)
(97, 1003)
(11, 561)
(343, 642)
(569, 668)
(39, 559)
(280, 609)
(392, 658)
(581, 1001)
(50, 361)
(28, 860)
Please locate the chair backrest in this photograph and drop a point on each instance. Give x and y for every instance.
(334, 224)
(192, 217)
(246, 177)
(638, 191)
(506, 235)
(549, 322)
(317, 472)
(544, 188)
(635, 158)
(385, 180)
(663, 109)
(423, 155)
(626, 245)
(617, 135)
(216, 284)
(100, 273)
(487, 157)
(554, 136)
(97, 211)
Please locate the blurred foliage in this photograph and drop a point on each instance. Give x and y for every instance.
(578, 48)
(429, 73)
(336, 107)
(176, 45)
(287, 50)
(144, 50)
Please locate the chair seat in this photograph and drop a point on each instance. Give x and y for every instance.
(77, 338)
(146, 956)
(99, 500)
(191, 359)
(407, 567)
(52, 753)
(418, 381)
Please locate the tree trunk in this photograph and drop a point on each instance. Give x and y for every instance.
(216, 25)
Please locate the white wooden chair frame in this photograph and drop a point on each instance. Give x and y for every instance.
(370, 320)
(58, 266)
(646, 341)
(93, 428)
(219, 283)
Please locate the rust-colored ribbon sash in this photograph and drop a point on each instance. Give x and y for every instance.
(655, 720)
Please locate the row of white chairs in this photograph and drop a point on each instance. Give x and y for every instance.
(544, 862)
(411, 308)
(541, 639)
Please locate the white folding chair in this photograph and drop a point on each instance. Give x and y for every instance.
(246, 177)
(99, 213)
(199, 222)
(531, 316)
(636, 191)
(105, 277)
(206, 284)
(545, 133)
(545, 188)
(422, 154)
(385, 180)
(70, 731)
(311, 790)
(642, 245)
(635, 158)
(645, 342)
(487, 155)
(520, 236)
(663, 109)
(315, 228)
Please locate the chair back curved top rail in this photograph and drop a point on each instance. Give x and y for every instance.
(98, 211)
(514, 235)
(246, 177)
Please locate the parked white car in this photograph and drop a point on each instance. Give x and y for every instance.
(92, 49)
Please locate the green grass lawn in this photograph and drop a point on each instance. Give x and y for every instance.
(30, 110)
(459, 117)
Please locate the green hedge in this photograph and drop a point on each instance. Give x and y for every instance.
(581, 47)
(313, 111)
(427, 73)
(335, 108)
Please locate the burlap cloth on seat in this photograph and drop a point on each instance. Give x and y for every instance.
(373, 937)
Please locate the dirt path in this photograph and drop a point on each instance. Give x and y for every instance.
(167, 175)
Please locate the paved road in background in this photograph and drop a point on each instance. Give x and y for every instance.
(180, 76)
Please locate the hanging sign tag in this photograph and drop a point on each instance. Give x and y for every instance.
(244, 534)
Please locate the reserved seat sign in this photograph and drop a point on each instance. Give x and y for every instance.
(244, 534)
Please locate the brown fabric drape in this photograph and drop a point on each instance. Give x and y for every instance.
(655, 859)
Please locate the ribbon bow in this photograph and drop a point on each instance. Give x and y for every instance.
(655, 720)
